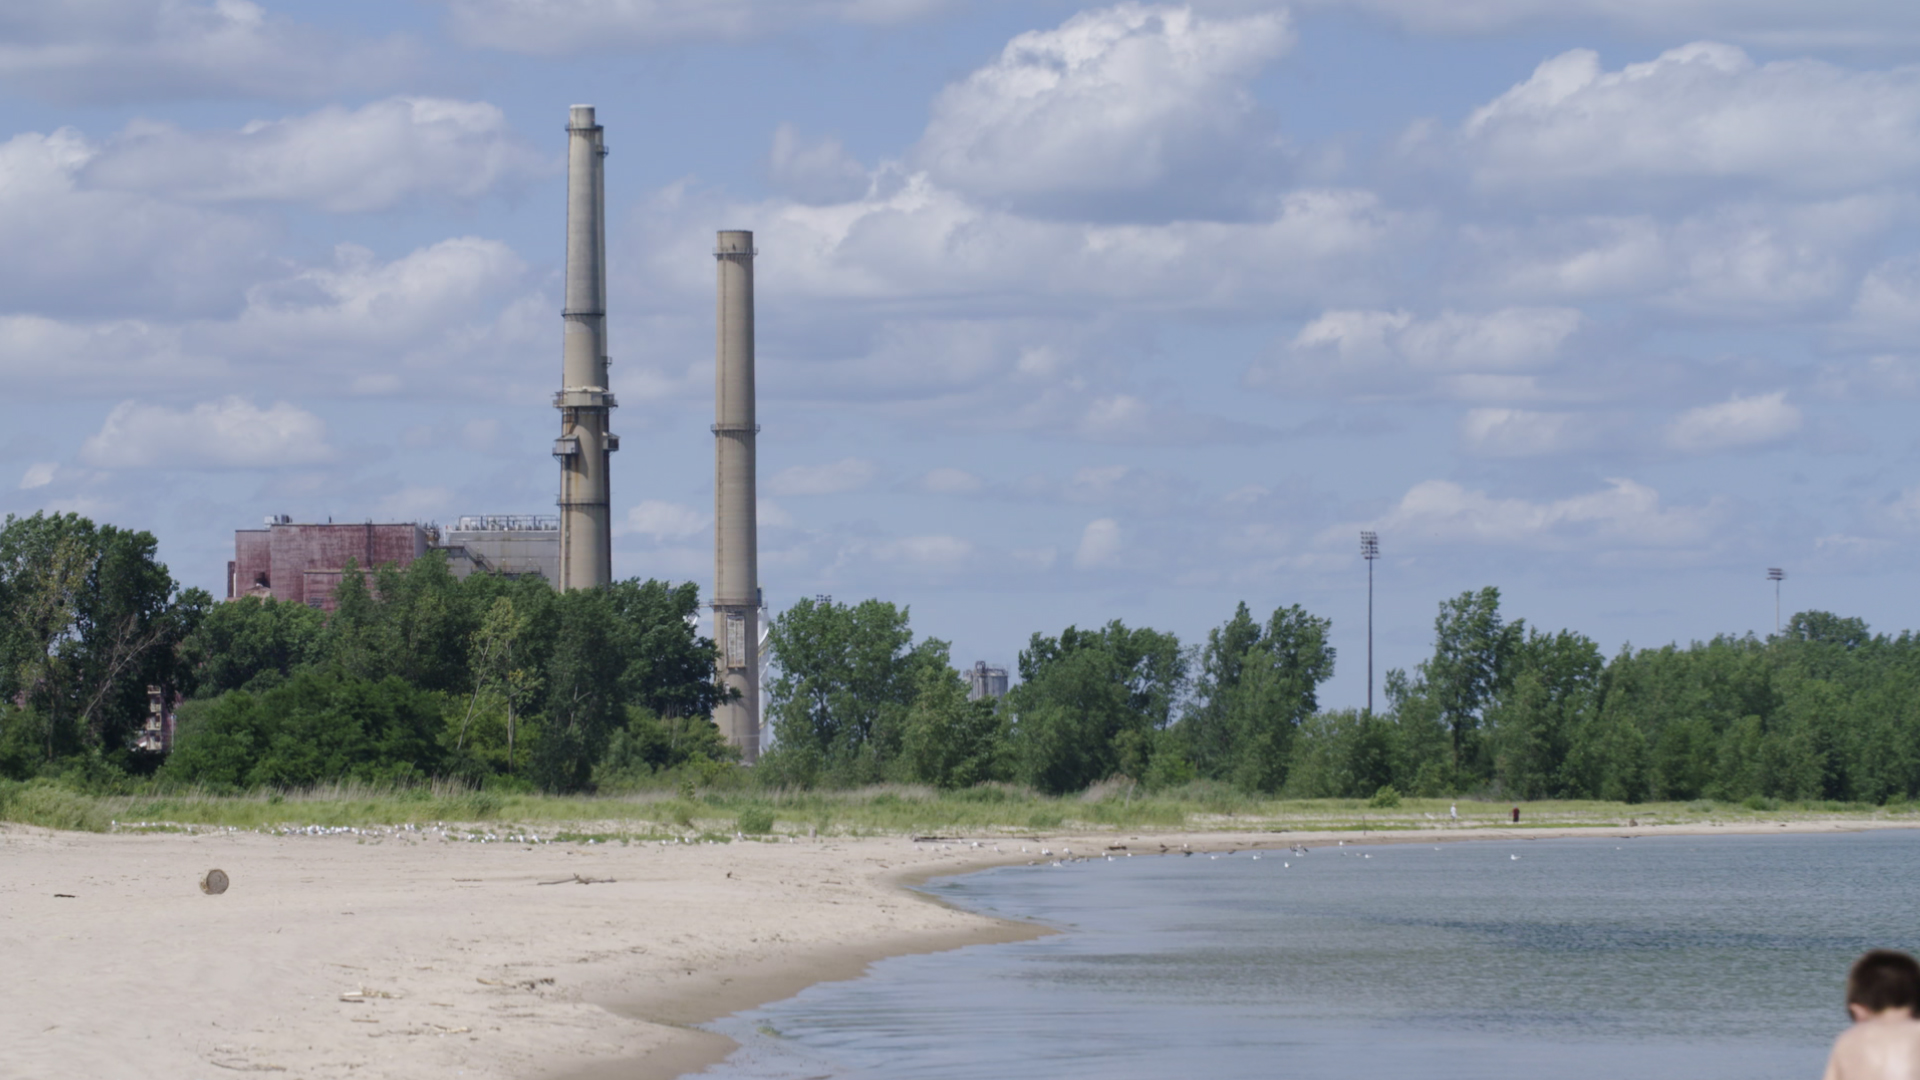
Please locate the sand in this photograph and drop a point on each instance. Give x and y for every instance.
(406, 955)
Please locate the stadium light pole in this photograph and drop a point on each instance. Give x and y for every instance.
(1776, 575)
(1370, 551)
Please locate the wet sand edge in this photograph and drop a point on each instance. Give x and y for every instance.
(738, 986)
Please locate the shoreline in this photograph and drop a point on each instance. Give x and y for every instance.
(393, 953)
(704, 1049)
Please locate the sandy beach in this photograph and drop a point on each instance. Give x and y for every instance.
(397, 953)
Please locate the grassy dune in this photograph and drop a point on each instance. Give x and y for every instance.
(899, 810)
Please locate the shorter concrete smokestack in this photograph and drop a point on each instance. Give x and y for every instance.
(736, 544)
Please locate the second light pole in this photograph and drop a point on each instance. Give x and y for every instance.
(1370, 551)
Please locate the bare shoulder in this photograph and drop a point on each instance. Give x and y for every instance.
(1885, 1048)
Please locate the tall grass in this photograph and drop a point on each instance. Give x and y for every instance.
(879, 810)
(51, 806)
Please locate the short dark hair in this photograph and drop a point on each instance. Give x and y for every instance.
(1884, 979)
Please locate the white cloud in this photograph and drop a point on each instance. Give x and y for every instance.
(1116, 101)
(1138, 490)
(912, 242)
(847, 474)
(231, 433)
(1099, 545)
(139, 50)
(937, 552)
(950, 481)
(414, 503)
(1625, 514)
(1846, 23)
(1747, 261)
(370, 158)
(454, 302)
(1037, 559)
(111, 354)
(555, 27)
(1887, 307)
(1906, 505)
(1392, 353)
(665, 521)
(1738, 421)
(1053, 377)
(480, 433)
(821, 172)
(1702, 111)
(1523, 433)
(1132, 419)
(38, 475)
(1872, 378)
(110, 252)
(459, 312)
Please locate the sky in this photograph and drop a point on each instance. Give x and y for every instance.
(1066, 313)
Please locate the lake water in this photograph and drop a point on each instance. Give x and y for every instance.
(1691, 958)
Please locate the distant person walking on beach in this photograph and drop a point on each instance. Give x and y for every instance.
(1883, 992)
(1454, 811)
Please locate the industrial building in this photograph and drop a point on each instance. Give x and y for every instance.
(304, 563)
(514, 545)
(157, 727)
(986, 682)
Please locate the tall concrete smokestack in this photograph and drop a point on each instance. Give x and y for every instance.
(736, 543)
(585, 446)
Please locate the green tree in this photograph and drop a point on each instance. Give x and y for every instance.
(846, 677)
(414, 624)
(669, 666)
(249, 639)
(1090, 702)
(583, 693)
(491, 659)
(1345, 754)
(1208, 728)
(316, 727)
(948, 741)
(1469, 668)
(650, 745)
(1553, 690)
(1280, 677)
(88, 619)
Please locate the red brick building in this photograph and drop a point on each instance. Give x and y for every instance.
(304, 563)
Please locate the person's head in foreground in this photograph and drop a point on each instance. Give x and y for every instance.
(1883, 981)
(1883, 992)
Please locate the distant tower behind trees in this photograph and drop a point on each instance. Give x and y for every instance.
(986, 682)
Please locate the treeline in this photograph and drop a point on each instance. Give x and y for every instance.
(415, 675)
(1823, 710)
(858, 701)
(503, 682)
